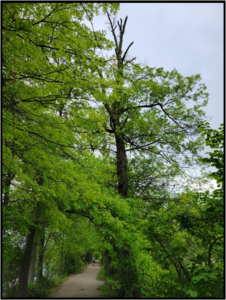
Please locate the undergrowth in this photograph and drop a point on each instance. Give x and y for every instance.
(107, 291)
(43, 288)
(111, 286)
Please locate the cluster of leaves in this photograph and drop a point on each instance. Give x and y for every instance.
(181, 242)
(12, 255)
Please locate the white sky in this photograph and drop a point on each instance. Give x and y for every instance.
(184, 36)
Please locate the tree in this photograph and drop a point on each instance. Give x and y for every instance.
(189, 232)
(39, 81)
(214, 139)
(63, 102)
(146, 114)
(146, 110)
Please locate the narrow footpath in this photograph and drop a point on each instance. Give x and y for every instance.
(83, 285)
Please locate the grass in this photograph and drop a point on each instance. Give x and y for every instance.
(101, 275)
(43, 288)
(107, 292)
(82, 268)
(105, 289)
(57, 282)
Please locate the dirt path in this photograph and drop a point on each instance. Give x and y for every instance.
(82, 285)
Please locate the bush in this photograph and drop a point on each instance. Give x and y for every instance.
(41, 289)
(12, 262)
(101, 275)
(113, 284)
(72, 264)
(107, 291)
(37, 290)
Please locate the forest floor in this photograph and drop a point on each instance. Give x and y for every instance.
(83, 285)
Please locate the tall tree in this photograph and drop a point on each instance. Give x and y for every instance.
(46, 52)
(62, 101)
(146, 110)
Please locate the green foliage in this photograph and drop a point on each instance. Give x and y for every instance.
(41, 289)
(72, 264)
(215, 140)
(37, 290)
(60, 175)
(101, 275)
(111, 286)
(107, 292)
(12, 258)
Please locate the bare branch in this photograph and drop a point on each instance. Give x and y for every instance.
(124, 25)
(129, 61)
(126, 51)
(107, 106)
(113, 30)
(140, 106)
(172, 118)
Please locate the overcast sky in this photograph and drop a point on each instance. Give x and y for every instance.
(184, 36)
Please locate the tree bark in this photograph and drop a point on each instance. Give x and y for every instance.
(23, 280)
(107, 263)
(210, 248)
(32, 264)
(123, 182)
(41, 256)
(185, 271)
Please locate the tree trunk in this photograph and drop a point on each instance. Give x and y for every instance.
(23, 280)
(32, 264)
(123, 182)
(185, 271)
(88, 257)
(41, 256)
(178, 271)
(107, 263)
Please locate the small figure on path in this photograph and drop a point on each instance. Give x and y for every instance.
(94, 261)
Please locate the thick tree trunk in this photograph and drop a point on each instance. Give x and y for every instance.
(23, 280)
(41, 256)
(32, 264)
(123, 182)
(107, 262)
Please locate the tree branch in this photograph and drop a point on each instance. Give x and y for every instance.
(140, 106)
(113, 30)
(172, 118)
(210, 249)
(45, 17)
(127, 51)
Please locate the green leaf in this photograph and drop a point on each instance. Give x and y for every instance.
(192, 293)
